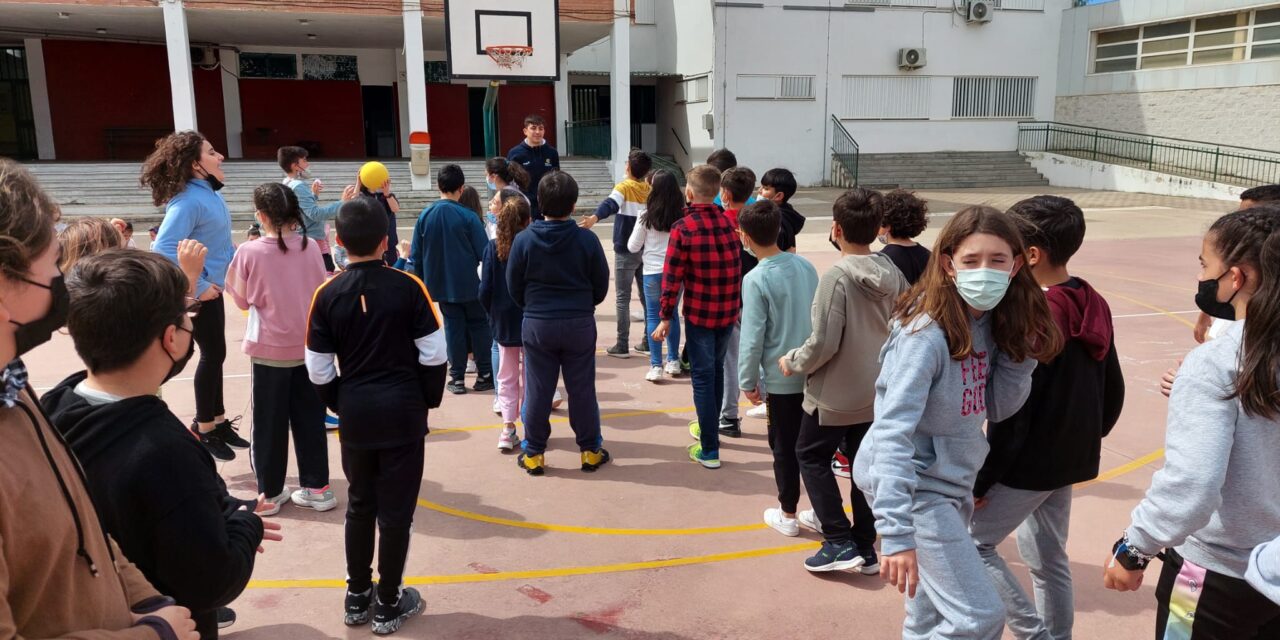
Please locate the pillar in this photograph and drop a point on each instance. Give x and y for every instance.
(563, 111)
(230, 61)
(620, 88)
(40, 112)
(178, 46)
(415, 81)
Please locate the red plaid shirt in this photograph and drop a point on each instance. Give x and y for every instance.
(703, 259)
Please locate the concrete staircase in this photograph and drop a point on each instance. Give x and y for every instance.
(946, 170)
(111, 189)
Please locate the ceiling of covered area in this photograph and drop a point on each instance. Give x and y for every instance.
(243, 27)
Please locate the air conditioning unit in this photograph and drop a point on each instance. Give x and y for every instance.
(979, 11)
(911, 58)
(203, 57)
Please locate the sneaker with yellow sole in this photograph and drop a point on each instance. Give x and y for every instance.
(592, 460)
(532, 465)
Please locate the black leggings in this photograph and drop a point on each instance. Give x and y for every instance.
(209, 329)
(1198, 604)
(382, 489)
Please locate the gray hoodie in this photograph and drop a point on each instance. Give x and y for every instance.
(927, 435)
(851, 313)
(1264, 570)
(1218, 495)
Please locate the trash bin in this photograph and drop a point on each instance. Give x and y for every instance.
(420, 153)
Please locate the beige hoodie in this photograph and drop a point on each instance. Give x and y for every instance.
(841, 359)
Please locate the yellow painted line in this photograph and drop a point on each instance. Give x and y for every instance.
(1112, 474)
(468, 578)
(1160, 310)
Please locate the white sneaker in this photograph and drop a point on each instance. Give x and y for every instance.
(556, 400)
(636, 316)
(782, 524)
(322, 500)
(810, 520)
(508, 440)
(471, 366)
(654, 375)
(497, 408)
(760, 411)
(673, 368)
(273, 504)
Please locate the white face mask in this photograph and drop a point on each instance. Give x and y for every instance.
(982, 288)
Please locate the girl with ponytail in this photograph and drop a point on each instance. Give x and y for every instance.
(505, 316)
(1218, 494)
(274, 279)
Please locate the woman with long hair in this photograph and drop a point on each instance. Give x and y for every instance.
(184, 175)
(84, 237)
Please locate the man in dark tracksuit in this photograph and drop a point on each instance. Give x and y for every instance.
(537, 156)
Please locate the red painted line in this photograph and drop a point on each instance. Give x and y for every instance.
(482, 568)
(535, 593)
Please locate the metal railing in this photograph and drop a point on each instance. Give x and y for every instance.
(663, 162)
(844, 156)
(1201, 160)
(588, 138)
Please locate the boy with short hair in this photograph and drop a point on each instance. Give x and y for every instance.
(379, 326)
(776, 300)
(293, 161)
(779, 185)
(736, 185)
(840, 362)
(628, 200)
(703, 260)
(537, 156)
(724, 160)
(157, 491)
(1055, 440)
(448, 246)
(557, 273)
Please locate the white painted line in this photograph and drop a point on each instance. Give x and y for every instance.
(1152, 315)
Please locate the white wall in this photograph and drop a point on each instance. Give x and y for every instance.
(834, 43)
(1066, 171)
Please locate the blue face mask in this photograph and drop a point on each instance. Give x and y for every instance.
(491, 185)
(982, 288)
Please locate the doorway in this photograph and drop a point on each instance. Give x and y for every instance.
(17, 123)
(380, 139)
(475, 111)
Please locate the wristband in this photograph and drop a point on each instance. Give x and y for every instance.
(1130, 557)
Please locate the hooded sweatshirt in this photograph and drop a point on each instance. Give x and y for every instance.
(850, 317)
(1218, 494)
(929, 410)
(1055, 440)
(557, 270)
(1264, 570)
(792, 223)
(51, 543)
(448, 244)
(160, 496)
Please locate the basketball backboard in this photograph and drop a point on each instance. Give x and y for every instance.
(473, 25)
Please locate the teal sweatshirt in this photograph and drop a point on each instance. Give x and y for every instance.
(777, 297)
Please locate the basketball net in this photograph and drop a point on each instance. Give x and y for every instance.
(509, 56)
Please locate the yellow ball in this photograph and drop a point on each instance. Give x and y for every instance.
(373, 175)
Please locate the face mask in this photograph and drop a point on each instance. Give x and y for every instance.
(983, 288)
(490, 217)
(491, 185)
(180, 363)
(882, 239)
(749, 250)
(37, 332)
(214, 183)
(831, 237)
(1207, 299)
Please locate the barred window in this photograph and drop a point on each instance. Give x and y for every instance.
(993, 97)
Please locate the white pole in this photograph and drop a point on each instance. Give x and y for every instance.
(415, 81)
(620, 92)
(563, 111)
(178, 46)
(231, 102)
(40, 99)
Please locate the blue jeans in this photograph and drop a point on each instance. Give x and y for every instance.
(652, 302)
(706, 363)
(552, 347)
(464, 320)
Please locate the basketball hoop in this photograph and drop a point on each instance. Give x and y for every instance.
(509, 56)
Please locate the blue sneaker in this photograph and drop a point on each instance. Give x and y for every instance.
(835, 557)
(711, 461)
(870, 562)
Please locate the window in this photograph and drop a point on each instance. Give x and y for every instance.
(992, 97)
(775, 87)
(643, 11)
(886, 97)
(326, 67)
(436, 71)
(696, 89)
(281, 66)
(1229, 37)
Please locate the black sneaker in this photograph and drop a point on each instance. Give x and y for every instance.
(642, 346)
(870, 562)
(387, 618)
(684, 360)
(213, 444)
(618, 351)
(731, 429)
(229, 433)
(484, 383)
(226, 617)
(457, 387)
(834, 557)
(357, 607)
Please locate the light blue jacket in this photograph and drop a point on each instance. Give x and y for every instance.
(198, 213)
(313, 214)
(776, 300)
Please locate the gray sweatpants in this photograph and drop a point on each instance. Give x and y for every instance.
(955, 599)
(626, 267)
(1041, 519)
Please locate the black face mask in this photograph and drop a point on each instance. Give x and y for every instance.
(180, 363)
(214, 183)
(37, 332)
(1207, 299)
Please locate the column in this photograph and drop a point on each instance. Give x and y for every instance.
(563, 112)
(39, 98)
(230, 61)
(178, 46)
(620, 89)
(415, 80)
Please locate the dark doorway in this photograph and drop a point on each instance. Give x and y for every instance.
(380, 139)
(17, 124)
(475, 108)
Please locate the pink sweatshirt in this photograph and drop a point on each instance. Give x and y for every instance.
(276, 288)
